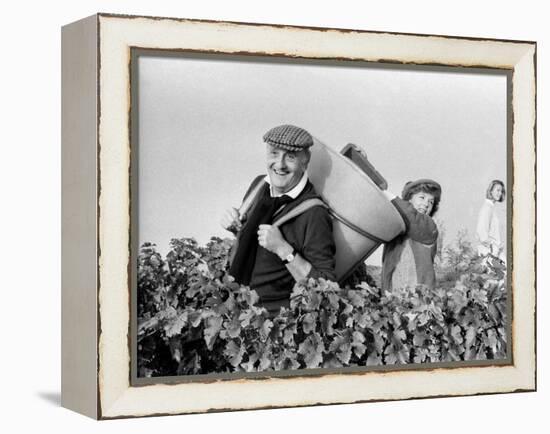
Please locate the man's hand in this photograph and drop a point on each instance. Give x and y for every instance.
(270, 238)
(231, 221)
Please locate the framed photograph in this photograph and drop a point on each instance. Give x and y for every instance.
(263, 216)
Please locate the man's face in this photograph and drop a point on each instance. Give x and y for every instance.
(285, 168)
(422, 202)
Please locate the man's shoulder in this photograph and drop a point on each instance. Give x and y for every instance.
(318, 214)
(317, 210)
(308, 192)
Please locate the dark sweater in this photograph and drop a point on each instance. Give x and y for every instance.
(310, 234)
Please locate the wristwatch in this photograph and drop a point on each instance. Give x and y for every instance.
(290, 257)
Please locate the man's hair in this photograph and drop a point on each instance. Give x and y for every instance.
(426, 188)
(490, 189)
(307, 153)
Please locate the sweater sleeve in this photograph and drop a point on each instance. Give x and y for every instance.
(319, 248)
(420, 227)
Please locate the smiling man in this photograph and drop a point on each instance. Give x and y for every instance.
(270, 259)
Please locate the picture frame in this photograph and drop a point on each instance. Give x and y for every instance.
(98, 201)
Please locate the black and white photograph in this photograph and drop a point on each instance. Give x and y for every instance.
(293, 216)
(306, 217)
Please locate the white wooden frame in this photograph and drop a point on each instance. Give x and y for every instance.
(96, 215)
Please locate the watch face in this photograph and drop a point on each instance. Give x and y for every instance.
(290, 257)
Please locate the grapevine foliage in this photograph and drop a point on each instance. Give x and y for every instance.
(194, 319)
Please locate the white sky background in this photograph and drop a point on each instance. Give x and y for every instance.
(201, 123)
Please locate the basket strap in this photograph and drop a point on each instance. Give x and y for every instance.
(299, 209)
(250, 199)
(355, 227)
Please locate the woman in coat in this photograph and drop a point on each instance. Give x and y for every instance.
(488, 225)
(408, 259)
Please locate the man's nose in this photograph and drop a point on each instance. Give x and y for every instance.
(281, 161)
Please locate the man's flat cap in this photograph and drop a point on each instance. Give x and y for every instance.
(289, 137)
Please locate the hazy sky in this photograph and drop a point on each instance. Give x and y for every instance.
(201, 122)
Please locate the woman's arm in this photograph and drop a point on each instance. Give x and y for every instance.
(419, 227)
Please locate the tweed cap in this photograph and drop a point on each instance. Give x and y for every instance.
(411, 184)
(289, 137)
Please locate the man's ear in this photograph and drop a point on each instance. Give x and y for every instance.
(306, 157)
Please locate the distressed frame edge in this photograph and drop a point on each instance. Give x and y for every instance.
(79, 124)
(315, 28)
(529, 386)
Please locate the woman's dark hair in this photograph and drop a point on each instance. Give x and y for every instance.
(490, 189)
(425, 187)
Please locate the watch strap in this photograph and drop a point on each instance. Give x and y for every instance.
(290, 257)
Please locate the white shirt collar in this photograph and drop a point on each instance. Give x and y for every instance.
(294, 192)
(490, 201)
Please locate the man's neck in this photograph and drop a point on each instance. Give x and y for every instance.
(292, 192)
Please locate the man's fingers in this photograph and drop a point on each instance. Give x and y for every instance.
(234, 213)
(261, 241)
(230, 220)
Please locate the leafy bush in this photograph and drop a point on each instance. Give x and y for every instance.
(194, 319)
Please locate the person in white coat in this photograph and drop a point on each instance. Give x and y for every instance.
(488, 225)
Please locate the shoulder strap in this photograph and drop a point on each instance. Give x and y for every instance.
(250, 199)
(299, 209)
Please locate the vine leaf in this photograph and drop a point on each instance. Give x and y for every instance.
(212, 330)
(312, 349)
(175, 325)
(234, 352)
